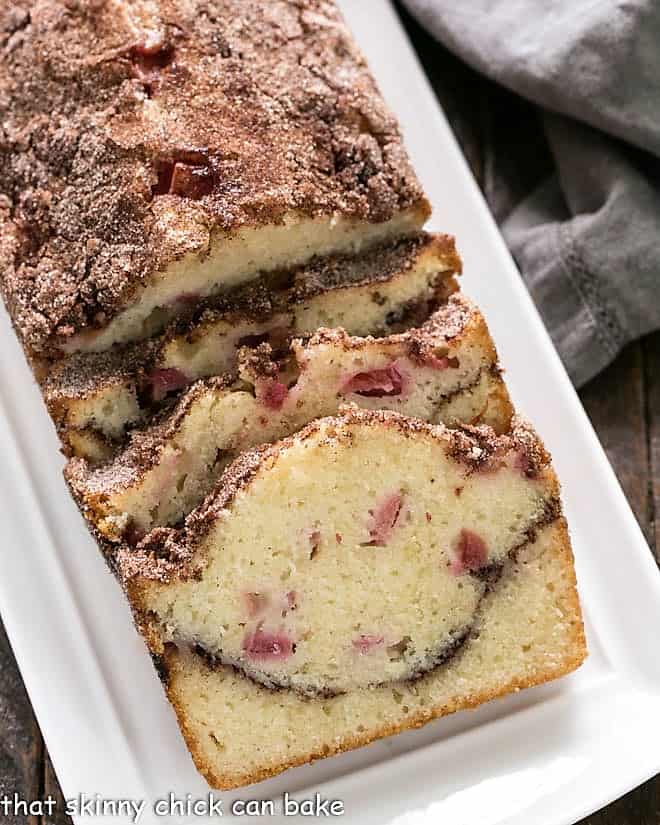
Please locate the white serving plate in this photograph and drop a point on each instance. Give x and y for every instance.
(547, 756)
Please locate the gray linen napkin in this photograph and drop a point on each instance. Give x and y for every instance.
(588, 239)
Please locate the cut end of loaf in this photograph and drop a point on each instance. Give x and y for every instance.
(421, 571)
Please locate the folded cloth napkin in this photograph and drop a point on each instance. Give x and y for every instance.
(588, 239)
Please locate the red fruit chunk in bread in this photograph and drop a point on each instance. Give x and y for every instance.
(384, 519)
(165, 381)
(376, 383)
(470, 552)
(262, 645)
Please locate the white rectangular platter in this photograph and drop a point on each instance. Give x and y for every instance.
(548, 756)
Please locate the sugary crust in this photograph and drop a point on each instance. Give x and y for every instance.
(169, 666)
(165, 551)
(144, 447)
(457, 317)
(81, 375)
(134, 132)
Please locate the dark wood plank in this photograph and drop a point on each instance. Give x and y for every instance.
(21, 746)
(52, 789)
(616, 404)
(639, 807)
(652, 376)
(624, 406)
(516, 155)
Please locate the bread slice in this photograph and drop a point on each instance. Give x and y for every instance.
(94, 397)
(162, 151)
(359, 578)
(445, 371)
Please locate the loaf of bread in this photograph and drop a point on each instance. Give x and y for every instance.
(285, 425)
(361, 577)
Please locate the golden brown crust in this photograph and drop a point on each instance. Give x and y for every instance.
(498, 399)
(575, 643)
(132, 131)
(225, 782)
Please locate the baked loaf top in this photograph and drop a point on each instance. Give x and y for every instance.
(132, 130)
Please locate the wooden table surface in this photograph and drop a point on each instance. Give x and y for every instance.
(496, 131)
